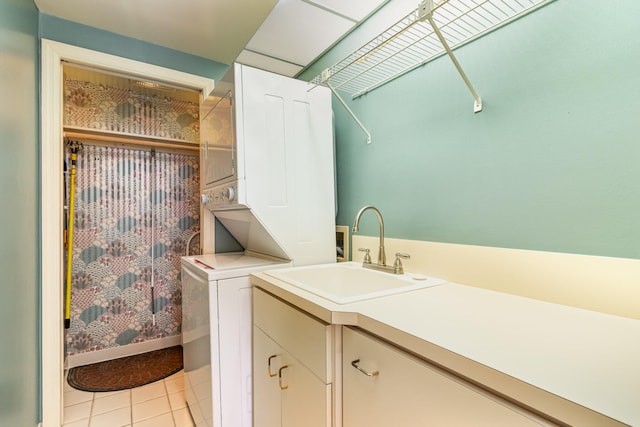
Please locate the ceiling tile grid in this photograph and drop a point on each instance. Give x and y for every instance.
(281, 36)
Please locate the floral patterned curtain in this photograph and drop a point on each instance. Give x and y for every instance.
(134, 213)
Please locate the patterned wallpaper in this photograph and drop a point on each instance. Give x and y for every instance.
(109, 108)
(134, 214)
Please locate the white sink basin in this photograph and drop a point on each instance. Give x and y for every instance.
(349, 282)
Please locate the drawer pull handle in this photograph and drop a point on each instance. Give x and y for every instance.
(269, 366)
(280, 378)
(367, 373)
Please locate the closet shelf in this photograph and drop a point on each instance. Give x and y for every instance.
(111, 137)
(414, 41)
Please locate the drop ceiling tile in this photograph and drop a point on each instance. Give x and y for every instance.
(298, 32)
(354, 9)
(268, 63)
(217, 30)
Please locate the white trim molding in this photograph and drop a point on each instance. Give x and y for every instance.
(90, 357)
(51, 193)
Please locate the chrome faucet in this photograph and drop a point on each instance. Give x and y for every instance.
(382, 258)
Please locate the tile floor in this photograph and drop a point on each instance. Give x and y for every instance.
(159, 404)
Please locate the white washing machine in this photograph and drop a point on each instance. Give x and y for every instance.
(216, 334)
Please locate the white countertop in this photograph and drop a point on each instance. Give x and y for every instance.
(556, 358)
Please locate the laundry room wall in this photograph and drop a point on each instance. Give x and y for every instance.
(550, 164)
(19, 254)
(548, 169)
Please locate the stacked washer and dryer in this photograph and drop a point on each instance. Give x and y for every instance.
(268, 178)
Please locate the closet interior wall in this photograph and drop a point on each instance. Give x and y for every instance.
(136, 210)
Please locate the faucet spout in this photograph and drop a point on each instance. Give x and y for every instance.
(382, 258)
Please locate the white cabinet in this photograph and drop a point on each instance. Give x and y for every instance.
(292, 370)
(286, 393)
(267, 399)
(393, 388)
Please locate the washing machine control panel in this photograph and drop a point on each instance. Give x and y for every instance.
(220, 197)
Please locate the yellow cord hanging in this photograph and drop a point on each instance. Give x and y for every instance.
(74, 147)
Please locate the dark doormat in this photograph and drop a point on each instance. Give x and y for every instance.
(127, 372)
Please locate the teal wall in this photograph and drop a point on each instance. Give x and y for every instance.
(551, 163)
(75, 34)
(19, 344)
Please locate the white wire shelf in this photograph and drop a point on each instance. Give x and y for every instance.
(412, 41)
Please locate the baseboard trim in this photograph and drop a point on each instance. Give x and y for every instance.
(97, 356)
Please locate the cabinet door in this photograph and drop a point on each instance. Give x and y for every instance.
(305, 399)
(267, 360)
(285, 392)
(405, 391)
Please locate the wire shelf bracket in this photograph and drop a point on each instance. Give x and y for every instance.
(351, 113)
(425, 12)
(432, 30)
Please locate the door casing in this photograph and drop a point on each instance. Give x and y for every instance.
(51, 197)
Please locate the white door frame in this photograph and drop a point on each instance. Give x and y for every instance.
(51, 193)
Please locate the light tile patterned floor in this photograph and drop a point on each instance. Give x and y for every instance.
(159, 404)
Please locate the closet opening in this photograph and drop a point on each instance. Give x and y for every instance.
(54, 56)
(135, 211)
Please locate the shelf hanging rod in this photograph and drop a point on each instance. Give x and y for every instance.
(426, 12)
(134, 140)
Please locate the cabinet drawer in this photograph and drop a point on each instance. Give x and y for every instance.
(403, 390)
(306, 338)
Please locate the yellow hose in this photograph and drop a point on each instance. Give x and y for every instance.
(72, 192)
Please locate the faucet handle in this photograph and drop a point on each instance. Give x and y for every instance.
(397, 265)
(367, 255)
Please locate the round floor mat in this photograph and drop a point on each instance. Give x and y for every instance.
(127, 372)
